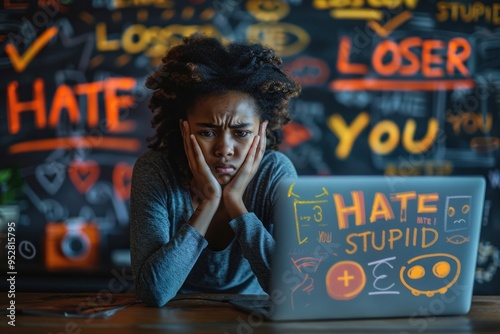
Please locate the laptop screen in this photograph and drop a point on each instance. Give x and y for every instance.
(375, 246)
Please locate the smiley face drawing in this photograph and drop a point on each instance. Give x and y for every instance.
(457, 214)
(426, 274)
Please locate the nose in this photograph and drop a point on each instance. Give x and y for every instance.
(224, 146)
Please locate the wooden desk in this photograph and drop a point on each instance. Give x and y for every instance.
(216, 316)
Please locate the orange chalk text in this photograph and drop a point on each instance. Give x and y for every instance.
(381, 208)
(65, 100)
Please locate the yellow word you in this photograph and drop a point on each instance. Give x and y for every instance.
(384, 137)
(470, 122)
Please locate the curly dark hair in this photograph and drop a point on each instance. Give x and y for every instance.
(202, 66)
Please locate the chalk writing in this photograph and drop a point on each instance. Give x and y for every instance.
(469, 122)
(457, 239)
(324, 236)
(306, 265)
(384, 137)
(308, 209)
(308, 71)
(345, 280)
(382, 290)
(406, 63)
(65, 98)
(411, 104)
(152, 41)
(83, 174)
(50, 176)
(391, 24)
(419, 168)
(139, 3)
(387, 239)
(122, 177)
(20, 62)
(286, 38)
(295, 134)
(364, 10)
(468, 12)
(381, 207)
(100, 193)
(457, 214)
(426, 220)
(438, 265)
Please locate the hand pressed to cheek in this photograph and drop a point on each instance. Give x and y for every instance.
(256, 152)
(234, 190)
(258, 148)
(206, 185)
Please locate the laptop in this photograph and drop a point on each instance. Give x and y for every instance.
(372, 247)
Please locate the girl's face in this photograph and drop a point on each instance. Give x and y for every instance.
(225, 126)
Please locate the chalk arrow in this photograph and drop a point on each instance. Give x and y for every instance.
(20, 62)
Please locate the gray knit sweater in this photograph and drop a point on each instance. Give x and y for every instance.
(169, 257)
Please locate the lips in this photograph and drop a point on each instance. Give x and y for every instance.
(224, 169)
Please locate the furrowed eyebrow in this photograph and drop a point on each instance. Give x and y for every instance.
(214, 126)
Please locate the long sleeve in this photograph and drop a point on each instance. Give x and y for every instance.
(255, 235)
(257, 245)
(161, 256)
(169, 257)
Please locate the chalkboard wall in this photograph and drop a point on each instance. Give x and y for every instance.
(396, 88)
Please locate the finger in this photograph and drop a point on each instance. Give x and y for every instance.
(262, 143)
(263, 128)
(198, 156)
(188, 147)
(249, 162)
(247, 169)
(210, 186)
(196, 150)
(263, 135)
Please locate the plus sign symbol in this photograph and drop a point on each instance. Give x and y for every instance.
(345, 280)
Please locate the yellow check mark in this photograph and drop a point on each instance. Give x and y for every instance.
(20, 62)
(384, 31)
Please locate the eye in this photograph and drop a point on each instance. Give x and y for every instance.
(206, 133)
(451, 211)
(441, 269)
(242, 134)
